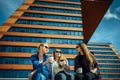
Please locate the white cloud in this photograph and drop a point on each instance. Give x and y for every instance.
(110, 15)
(117, 9)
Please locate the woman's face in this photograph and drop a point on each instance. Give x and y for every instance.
(57, 53)
(45, 48)
(78, 48)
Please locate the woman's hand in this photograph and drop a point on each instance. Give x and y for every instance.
(79, 70)
(94, 70)
(48, 60)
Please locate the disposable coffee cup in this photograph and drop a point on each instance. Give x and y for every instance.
(80, 70)
(52, 59)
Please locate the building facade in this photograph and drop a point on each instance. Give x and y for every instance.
(61, 23)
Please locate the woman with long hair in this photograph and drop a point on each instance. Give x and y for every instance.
(61, 67)
(86, 66)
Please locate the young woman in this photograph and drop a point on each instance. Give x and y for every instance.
(86, 67)
(40, 63)
(61, 67)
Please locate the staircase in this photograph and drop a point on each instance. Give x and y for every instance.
(108, 59)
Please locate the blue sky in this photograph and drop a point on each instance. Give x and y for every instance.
(109, 28)
(108, 31)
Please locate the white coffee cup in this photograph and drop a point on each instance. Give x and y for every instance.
(52, 59)
(80, 70)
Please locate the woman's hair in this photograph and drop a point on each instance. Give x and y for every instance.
(42, 44)
(60, 66)
(89, 56)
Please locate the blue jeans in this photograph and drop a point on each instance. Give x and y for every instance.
(62, 75)
(38, 76)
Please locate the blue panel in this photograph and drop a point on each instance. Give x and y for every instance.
(104, 53)
(107, 57)
(51, 16)
(35, 39)
(59, 24)
(45, 31)
(100, 49)
(109, 61)
(57, 4)
(13, 60)
(17, 49)
(14, 73)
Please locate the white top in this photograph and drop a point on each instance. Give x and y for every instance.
(56, 68)
(41, 61)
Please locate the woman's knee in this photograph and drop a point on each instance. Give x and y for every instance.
(79, 76)
(31, 74)
(70, 76)
(38, 76)
(88, 75)
(60, 76)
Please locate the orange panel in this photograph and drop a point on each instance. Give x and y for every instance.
(56, 7)
(51, 20)
(22, 54)
(42, 27)
(40, 35)
(35, 44)
(61, 1)
(16, 66)
(20, 66)
(46, 12)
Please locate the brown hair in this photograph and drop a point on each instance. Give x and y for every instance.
(89, 56)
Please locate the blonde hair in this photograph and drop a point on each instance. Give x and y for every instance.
(89, 56)
(42, 44)
(62, 57)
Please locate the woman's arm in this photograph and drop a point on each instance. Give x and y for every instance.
(47, 61)
(77, 65)
(66, 65)
(94, 70)
(95, 67)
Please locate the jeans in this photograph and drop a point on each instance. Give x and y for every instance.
(62, 75)
(86, 76)
(38, 76)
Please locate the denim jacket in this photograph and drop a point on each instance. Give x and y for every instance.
(44, 69)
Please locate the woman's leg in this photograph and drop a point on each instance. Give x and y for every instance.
(60, 76)
(90, 76)
(43, 77)
(31, 74)
(79, 76)
(38, 76)
(70, 76)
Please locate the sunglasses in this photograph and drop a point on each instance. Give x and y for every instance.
(58, 51)
(77, 46)
(61, 60)
(46, 47)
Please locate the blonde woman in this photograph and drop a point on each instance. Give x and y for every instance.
(40, 63)
(86, 67)
(61, 67)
